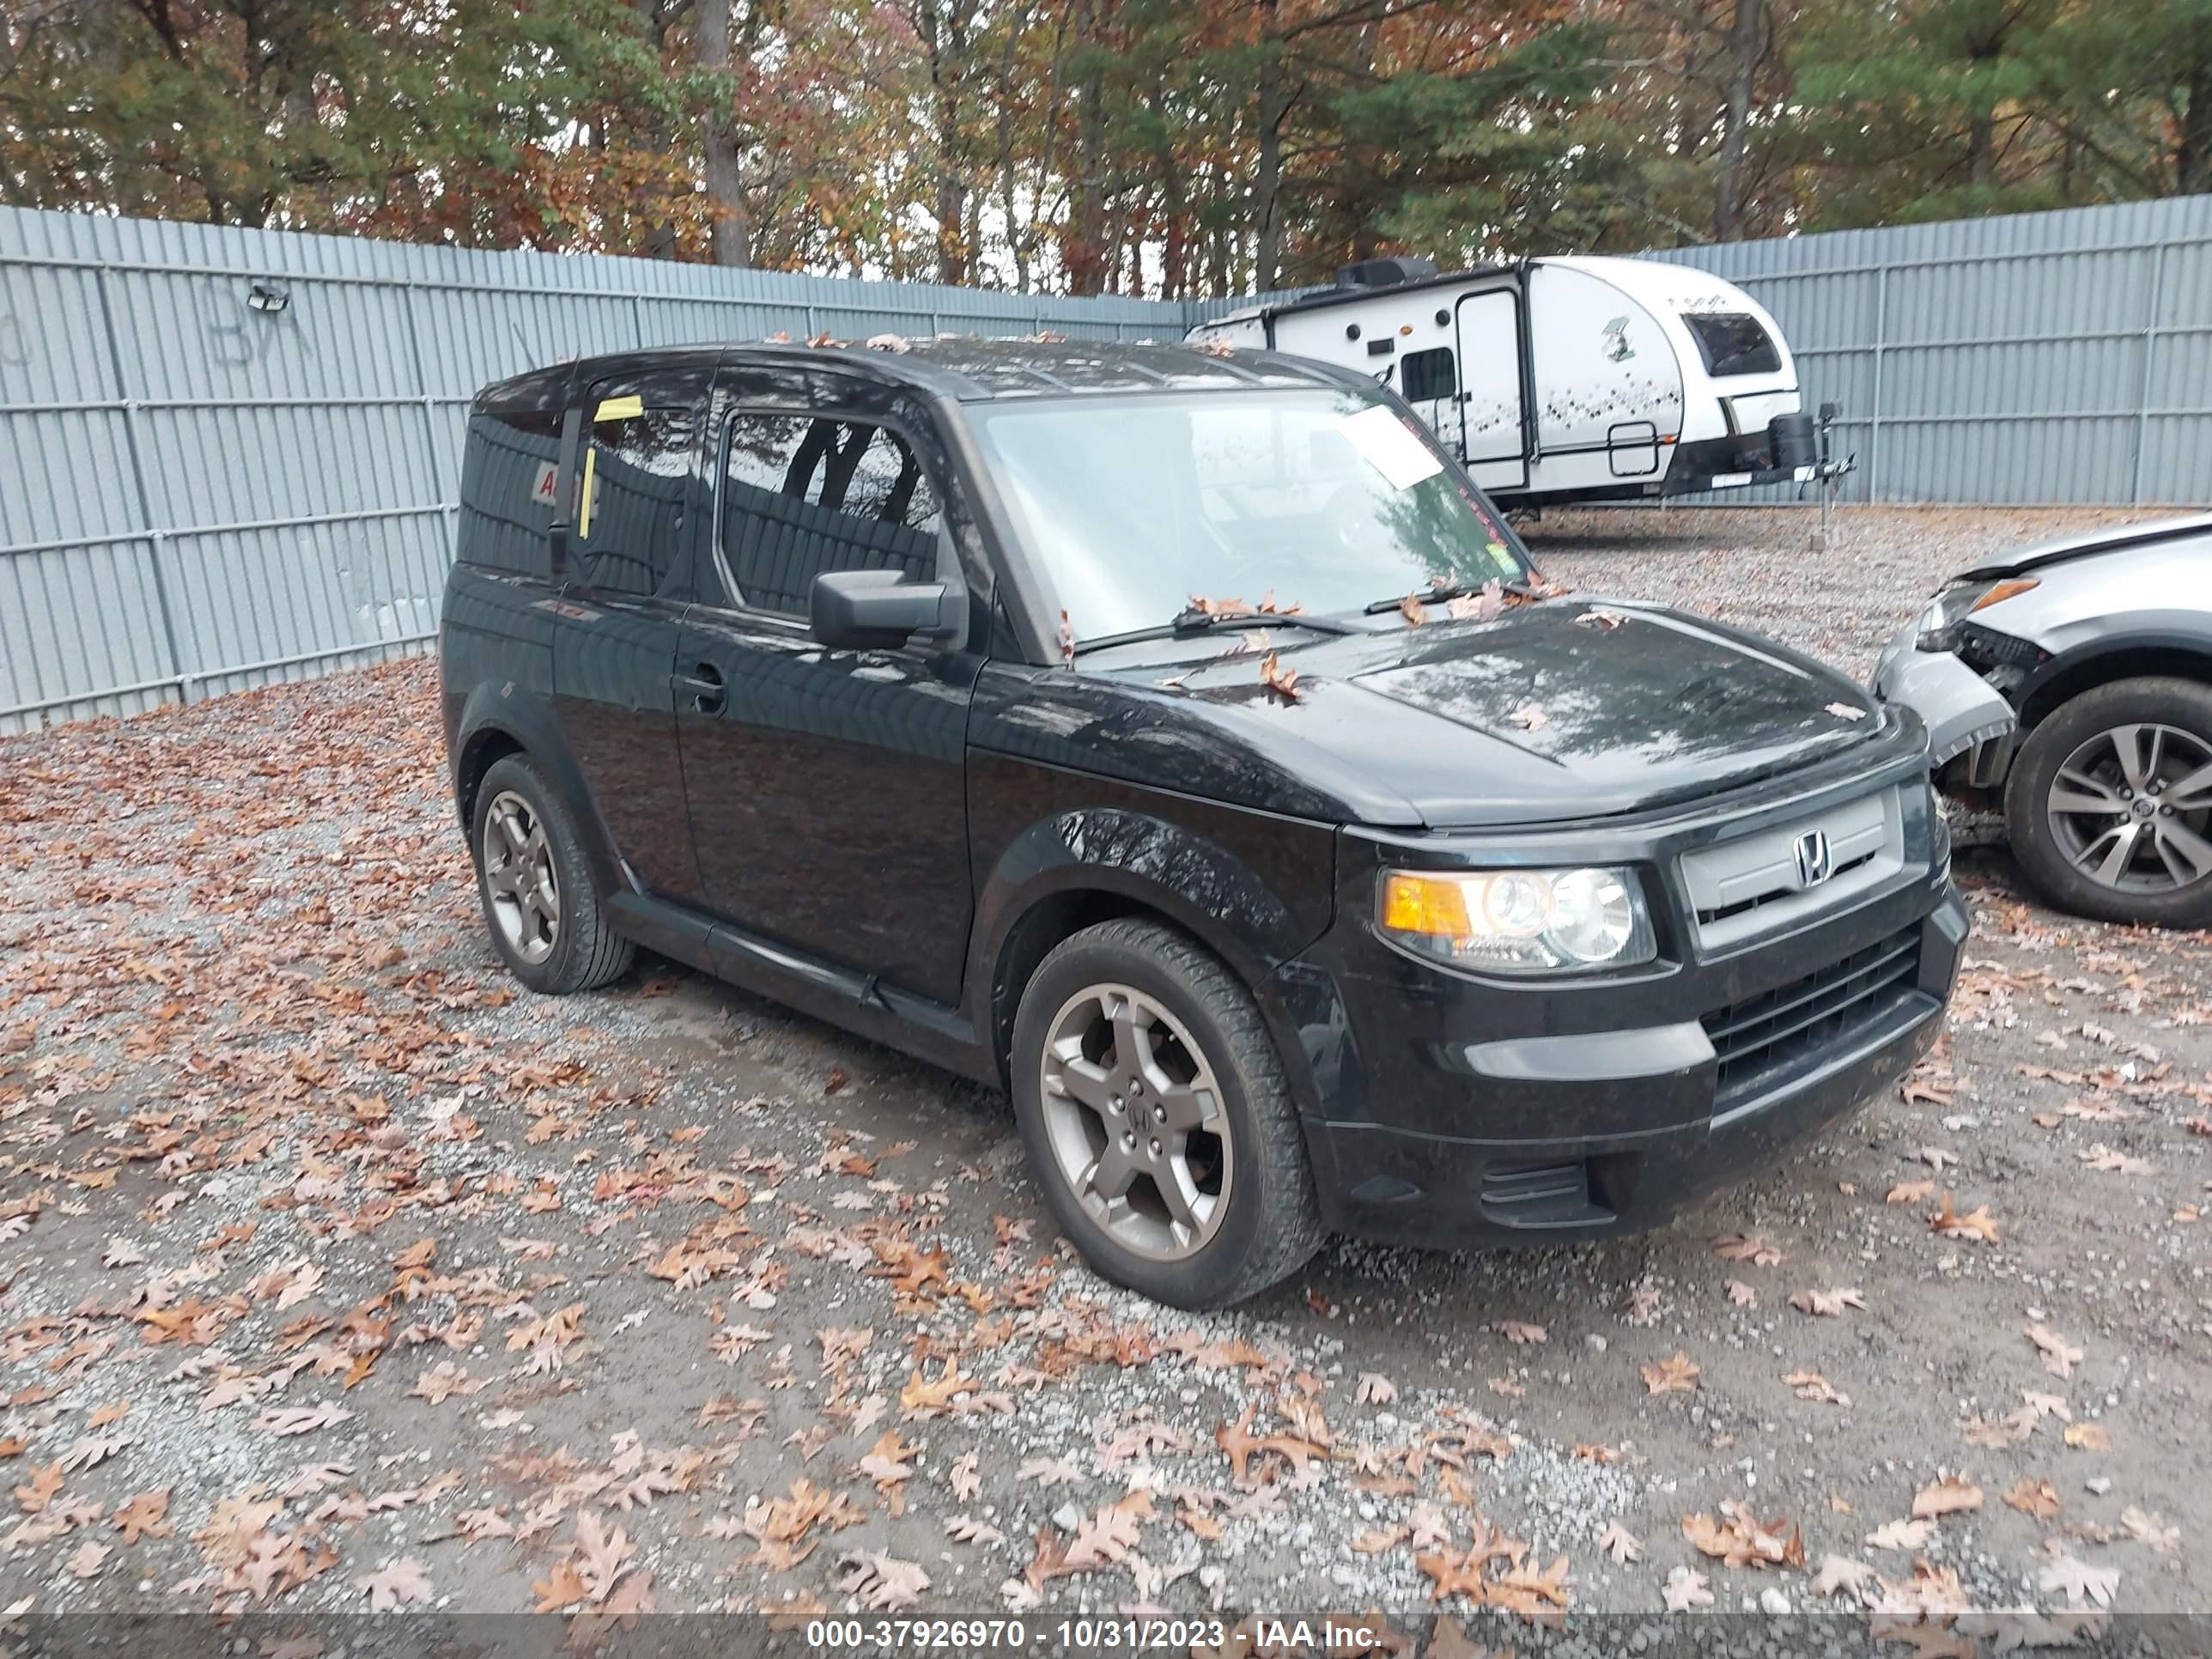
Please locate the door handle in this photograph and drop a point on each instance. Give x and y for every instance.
(703, 685)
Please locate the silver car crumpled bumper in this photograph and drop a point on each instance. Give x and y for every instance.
(1957, 705)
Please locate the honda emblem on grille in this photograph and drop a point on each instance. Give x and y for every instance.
(1814, 862)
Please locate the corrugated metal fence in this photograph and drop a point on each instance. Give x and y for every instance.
(197, 495)
(2041, 358)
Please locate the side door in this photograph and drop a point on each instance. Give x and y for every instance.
(1491, 324)
(827, 788)
(638, 511)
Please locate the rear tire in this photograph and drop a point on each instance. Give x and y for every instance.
(542, 910)
(2133, 746)
(1178, 1167)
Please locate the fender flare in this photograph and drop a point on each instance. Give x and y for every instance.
(515, 716)
(1194, 882)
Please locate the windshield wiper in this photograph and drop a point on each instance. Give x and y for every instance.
(1192, 620)
(1523, 592)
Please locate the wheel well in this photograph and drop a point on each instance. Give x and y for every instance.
(1031, 939)
(2136, 663)
(485, 751)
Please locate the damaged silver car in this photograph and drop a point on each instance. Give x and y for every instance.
(2068, 685)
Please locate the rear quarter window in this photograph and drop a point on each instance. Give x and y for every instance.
(508, 477)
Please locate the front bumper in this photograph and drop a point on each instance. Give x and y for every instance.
(1959, 708)
(1451, 1110)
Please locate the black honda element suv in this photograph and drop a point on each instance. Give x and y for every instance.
(1181, 743)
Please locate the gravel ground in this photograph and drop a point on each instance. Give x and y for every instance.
(339, 1274)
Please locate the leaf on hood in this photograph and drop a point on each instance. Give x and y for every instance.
(1530, 717)
(1413, 611)
(1280, 682)
(1847, 711)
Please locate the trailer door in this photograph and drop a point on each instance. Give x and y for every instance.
(1491, 324)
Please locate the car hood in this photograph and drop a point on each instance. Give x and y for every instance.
(1541, 715)
(2126, 537)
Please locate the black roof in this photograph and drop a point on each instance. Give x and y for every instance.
(972, 369)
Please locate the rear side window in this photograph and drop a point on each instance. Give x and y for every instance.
(639, 469)
(1427, 374)
(1732, 342)
(509, 475)
(803, 495)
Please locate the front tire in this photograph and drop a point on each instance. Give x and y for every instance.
(2109, 805)
(541, 908)
(1155, 1117)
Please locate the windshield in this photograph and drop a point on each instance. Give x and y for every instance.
(1324, 497)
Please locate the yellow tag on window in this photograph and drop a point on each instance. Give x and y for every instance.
(620, 408)
(584, 500)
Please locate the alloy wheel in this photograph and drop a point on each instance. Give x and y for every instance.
(518, 876)
(2129, 808)
(1136, 1121)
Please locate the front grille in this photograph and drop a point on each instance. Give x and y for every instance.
(1744, 906)
(1746, 887)
(1794, 1023)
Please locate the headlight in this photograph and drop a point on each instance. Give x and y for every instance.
(1939, 622)
(1518, 921)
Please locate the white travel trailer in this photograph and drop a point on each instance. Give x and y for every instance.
(1565, 380)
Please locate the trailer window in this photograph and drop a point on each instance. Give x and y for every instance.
(1426, 375)
(1733, 343)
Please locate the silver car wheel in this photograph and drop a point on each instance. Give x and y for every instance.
(2129, 808)
(518, 878)
(1136, 1121)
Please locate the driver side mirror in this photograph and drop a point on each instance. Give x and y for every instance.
(878, 609)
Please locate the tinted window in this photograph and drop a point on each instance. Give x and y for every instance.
(1428, 374)
(639, 466)
(1732, 342)
(508, 475)
(801, 496)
